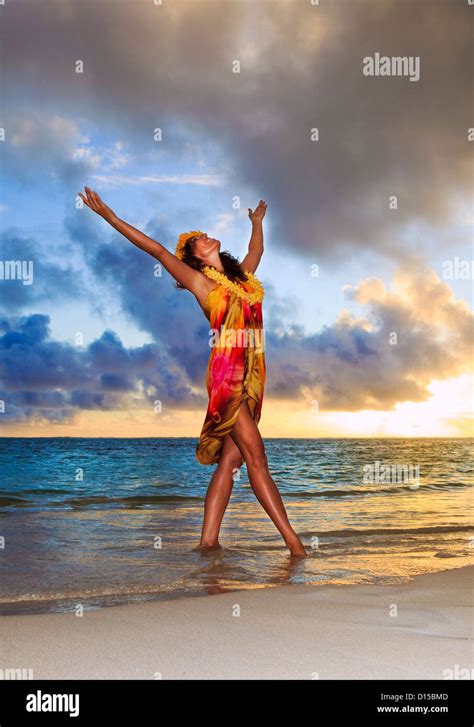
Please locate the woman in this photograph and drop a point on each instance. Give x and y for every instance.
(230, 296)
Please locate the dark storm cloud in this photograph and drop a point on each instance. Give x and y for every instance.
(37, 276)
(47, 379)
(301, 67)
(348, 366)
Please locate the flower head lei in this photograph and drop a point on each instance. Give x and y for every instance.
(182, 240)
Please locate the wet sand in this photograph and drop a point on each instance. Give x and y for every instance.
(422, 629)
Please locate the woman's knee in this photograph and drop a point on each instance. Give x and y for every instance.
(247, 437)
(230, 462)
(256, 459)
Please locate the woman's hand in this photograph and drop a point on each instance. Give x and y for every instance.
(94, 202)
(259, 213)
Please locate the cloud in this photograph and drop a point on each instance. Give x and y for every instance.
(206, 180)
(375, 361)
(45, 147)
(53, 276)
(44, 379)
(409, 336)
(170, 67)
(301, 68)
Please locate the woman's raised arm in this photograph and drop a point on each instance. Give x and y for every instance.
(252, 259)
(191, 279)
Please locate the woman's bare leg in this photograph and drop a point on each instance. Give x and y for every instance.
(247, 437)
(218, 493)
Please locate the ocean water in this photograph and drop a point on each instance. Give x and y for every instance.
(100, 522)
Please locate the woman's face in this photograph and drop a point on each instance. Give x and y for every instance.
(205, 246)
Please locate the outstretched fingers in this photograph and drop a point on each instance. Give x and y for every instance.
(84, 199)
(88, 199)
(91, 199)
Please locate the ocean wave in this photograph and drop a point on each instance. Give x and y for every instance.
(353, 533)
(88, 593)
(34, 497)
(7, 501)
(376, 490)
(130, 501)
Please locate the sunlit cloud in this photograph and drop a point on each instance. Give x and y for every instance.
(206, 180)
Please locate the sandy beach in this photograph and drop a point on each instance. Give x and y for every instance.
(422, 629)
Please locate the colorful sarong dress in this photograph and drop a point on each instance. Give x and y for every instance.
(236, 367)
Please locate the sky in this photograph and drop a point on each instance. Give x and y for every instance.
(181, 114)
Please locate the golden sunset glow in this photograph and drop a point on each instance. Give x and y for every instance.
(447, 413)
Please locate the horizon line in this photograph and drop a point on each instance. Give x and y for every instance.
(72, 436)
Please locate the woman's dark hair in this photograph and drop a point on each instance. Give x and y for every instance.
(230, 263)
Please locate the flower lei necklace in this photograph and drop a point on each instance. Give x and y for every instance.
(256, 296)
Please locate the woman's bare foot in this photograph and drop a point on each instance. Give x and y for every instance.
(296, 547)
(208, 546)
